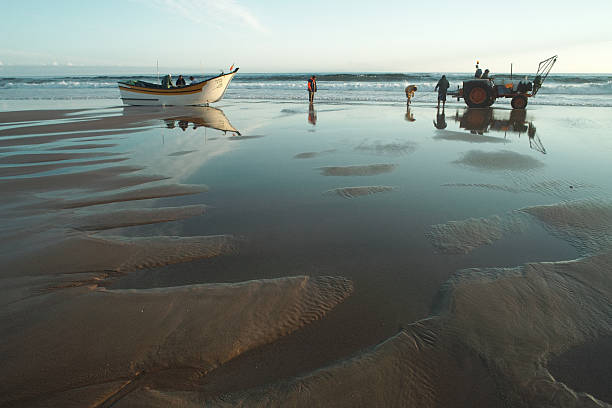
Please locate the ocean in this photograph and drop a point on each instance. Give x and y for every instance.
(558, 90)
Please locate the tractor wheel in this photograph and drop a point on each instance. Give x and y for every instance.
(477, 96)
(519, 102)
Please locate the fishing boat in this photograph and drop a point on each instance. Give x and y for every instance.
(200, 93)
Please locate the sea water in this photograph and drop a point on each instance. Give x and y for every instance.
(558, 89)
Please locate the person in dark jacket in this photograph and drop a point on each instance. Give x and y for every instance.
(485, 75)
(478, 72)
(180, 81)
(312, 88)
(442, 86)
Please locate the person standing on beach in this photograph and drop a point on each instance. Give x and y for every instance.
(312, 88)
(410, 90)
(442, 86)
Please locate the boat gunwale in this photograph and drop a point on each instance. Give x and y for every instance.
(188, 89)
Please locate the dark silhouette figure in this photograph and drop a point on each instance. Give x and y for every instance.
(440, 122)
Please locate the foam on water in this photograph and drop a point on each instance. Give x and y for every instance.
(559, 89)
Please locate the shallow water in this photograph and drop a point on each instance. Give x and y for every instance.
(334, 190)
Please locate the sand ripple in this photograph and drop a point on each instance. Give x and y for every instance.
(369, 170)
(310, 155)
(586, 224)
(553, 188)
(84, 253)
(461, 237)
(514, 320)
(353, 192)
(397, 148)
(499, 160)
(467, 137)
(511, 319)
(127, 218)
(134, 332)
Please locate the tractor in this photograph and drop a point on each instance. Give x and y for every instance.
(482, 93)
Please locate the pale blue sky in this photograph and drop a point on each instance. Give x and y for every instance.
(317, 36)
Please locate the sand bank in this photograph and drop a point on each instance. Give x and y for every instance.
(353, 192)
(394, 148)
(86, 253)
(499, 160)
(310, 155)
(461, 237)
(103, 336)
(368, 170)
(142, 216)
(41, 168)
(455, 136)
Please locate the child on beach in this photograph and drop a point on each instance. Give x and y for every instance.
(312, 88)
(410, 90)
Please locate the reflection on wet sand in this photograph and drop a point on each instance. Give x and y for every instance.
(312, 114)
(440, 121)
(480, 121)
(499, 160)
(205, 116)
(87, 321)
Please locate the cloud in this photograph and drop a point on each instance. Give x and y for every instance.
(1, 64)
(202, 11)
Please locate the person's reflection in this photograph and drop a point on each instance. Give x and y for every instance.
(312, 114)
(409, 115)
(169, 123)
(440, 122)
(183, 124)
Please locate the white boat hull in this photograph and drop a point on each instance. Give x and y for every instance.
(202, 93)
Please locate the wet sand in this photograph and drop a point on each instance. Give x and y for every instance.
(203, 270)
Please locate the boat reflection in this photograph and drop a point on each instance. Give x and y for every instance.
(481, 121)
(186, 116)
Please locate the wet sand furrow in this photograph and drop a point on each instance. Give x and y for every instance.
(172, 190)
(142, 216)
(499, 160)
(36, 140)
(51, 157)
(119, 254)
(85, 146)
(368, 170)
(462, 237)
(158, 329)
(41, 168)
(513, 319)
(353, 192)
(103, 179)
(397, 148)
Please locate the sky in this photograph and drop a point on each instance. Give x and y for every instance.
(309, 36)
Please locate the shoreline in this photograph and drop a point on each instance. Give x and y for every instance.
(430, 215)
